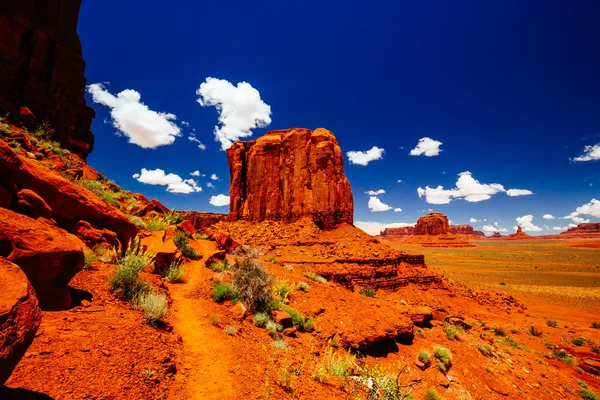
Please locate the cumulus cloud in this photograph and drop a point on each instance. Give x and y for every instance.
(397, 209)
(518, 192)
(592, 209)
(173, 182)
(526, 223)
(375, 192)
(219, 200)
(365, 157)
(185, 123)
(399, 181)
(427, 147)
(195, 173)
(210, 185)
(214, 177)
(147, 128)
(548, 216)
(473, 220)
(374, 228)
(240, 109)
(467, 188)
(376, 205)
(494, 228)
(194, 139)
(590, 153)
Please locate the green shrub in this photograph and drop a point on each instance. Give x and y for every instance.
(156, 223)
(125, 281)
(260, 319)
(578, 341)
(452, 331)
(90, 258)
(180, 240)
(283, 289)
(551, 323)
(273, 328)
(39, 155)
(280, 344)
(14, 145)
(499, 331)
(596, 350)
(4, 129)
(367, 292)
(425, 357)
(173, 218)
(44, 130)
(152, 304)
(215, 319)
(587, 394)
(222, 291)
(219, 266)
(309, 325)
(137, 221)
(189, 252)
(382, 384)
(432, 394)
(175, 273)
(549, 346)
(199, 236)
(252, 282)
(595, 325)
(443, 357)
(305, 287)
(231, 330)
(510, 342)
(515, 331)
(563, 356)
(297, 318)
(315, 277)
(485, 349)
(537, 332)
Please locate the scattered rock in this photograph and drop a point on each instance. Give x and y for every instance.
(225, 242)
(92, 236)
(283, 318)
(238, 311)
(32, 205)
(215, 257)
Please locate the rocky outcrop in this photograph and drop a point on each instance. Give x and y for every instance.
(20, 317)
(432, 224)
(41, 68)
(202, 220)
(466, 230)
(288, 174)
(390, 232)
(49, 256)
(585, 230)
(497, 235)
(69, 203)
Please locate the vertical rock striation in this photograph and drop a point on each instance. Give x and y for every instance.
(288, 174)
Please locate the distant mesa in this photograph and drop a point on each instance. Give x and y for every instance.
(466, 231)
(289, 174)
(519, 235)
(497, 235)
(589, 230)
(432, 230)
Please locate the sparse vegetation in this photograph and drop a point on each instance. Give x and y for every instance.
(125, 281)
(333, 365)
(305, 287)
(549, 346)
(175, 273)
(98, 188)
(587, 394)
(219, 266)
(298, 320)
(551, 323)
(443, 357)
(315, 277)
(535, 331)
(578, 341)
(596, 350)
(485, 349)
(453, 331)
(222, 291)
(380, 383)
(215, 319)
(280, 344)
(252, 283)
(39, 155)
(16, 146)
(283, 289)
(273, 328)
(502, 283)
(432, 394)
(44, 130)
(90, 258)
(563, 356)
(499, 331)
(4, 129)
(425, 357)
(595, 325)
(152, 304)
(367, 292)
(200, 236)
(181, 241)
(156, 223)
(231, 330)
(260, 319)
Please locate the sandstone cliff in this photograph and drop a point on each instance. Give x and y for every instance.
(288, 174)
(465, 230)
(41, 68)
(432, 224)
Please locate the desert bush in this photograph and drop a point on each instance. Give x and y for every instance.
(152, 304)
(181, 241)
(587, 394)
(452, 331)
(231, 330)
(219, 266)
(44, 130)
(510, 342)
(334, 365)
(297, 318)
(535, 331)
(252, 283)
(432, 394)
(552, 323)
(39, 155)
(16, 146)
(288, 267)
(596, 350)
(125, 282)
(563, 356)
(280, 344)
(367, 292)
(190, 253)
(485, 349)
(284, 289)
(305, 287)
(4, 129)
(175, 273)
(137, 221)
(260, 319)
(156, 223)
(549, 346)
(315, 277)
(200, 236)
(381, 384)
(309, 325)
(222, 291)
(515, 331)
(274, 261)
(578, 341)
(106, 254)
(499, 331)
(443, 357)
(425, 357)
(173, 218)
(89, 258)
(595, 325)
(273, 328)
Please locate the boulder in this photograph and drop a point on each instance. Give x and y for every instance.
(238, 311)
(591, 365)
(225, 242)
(289, 174)
(283, 318)
(92, 236)
(70, 203)
(187, 227)
(49, 256)
(420, 316)
(153, 205)
(42, 68)
(215, 257)
(32, 205)
(20, 317)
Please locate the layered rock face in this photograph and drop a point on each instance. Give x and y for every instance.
(432, 224)
(288, 174)
(20, 317)
(584, 229)
(41, 68)
(465, 230)
(202, 220)
(407, 230)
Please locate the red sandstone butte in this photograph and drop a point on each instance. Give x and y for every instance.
(465, 230)
(288, 174)
(42, 68)
(432, 224)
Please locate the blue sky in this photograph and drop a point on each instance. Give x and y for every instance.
(509, 88)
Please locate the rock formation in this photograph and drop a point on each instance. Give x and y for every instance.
(519, 235)
(585, 230)
(390, 232)
(466, 230)
(432, 224)
(42, 69)
(431, 230)
(202, 220)
(20, 317)
(288, 174)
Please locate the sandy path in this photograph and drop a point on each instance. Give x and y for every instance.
(206, 358)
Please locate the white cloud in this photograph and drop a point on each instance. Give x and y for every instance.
(210, 185)
(219, 200)
(548, 216)
(467, 188)
(579, 220)
(194, 139)
(374, 228)
(240, 109)
(214, 177)
(365, 157)
(427, 147)
(375, 192)
(195, 173)
(173, 182)
(473, 220)
(185, 123)
(376, 205)
(399, 181)
(146, 128)
(526, 223)
(494, 228)
(518, 192)
(592, 208)
(590, 153)
(397, 209)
